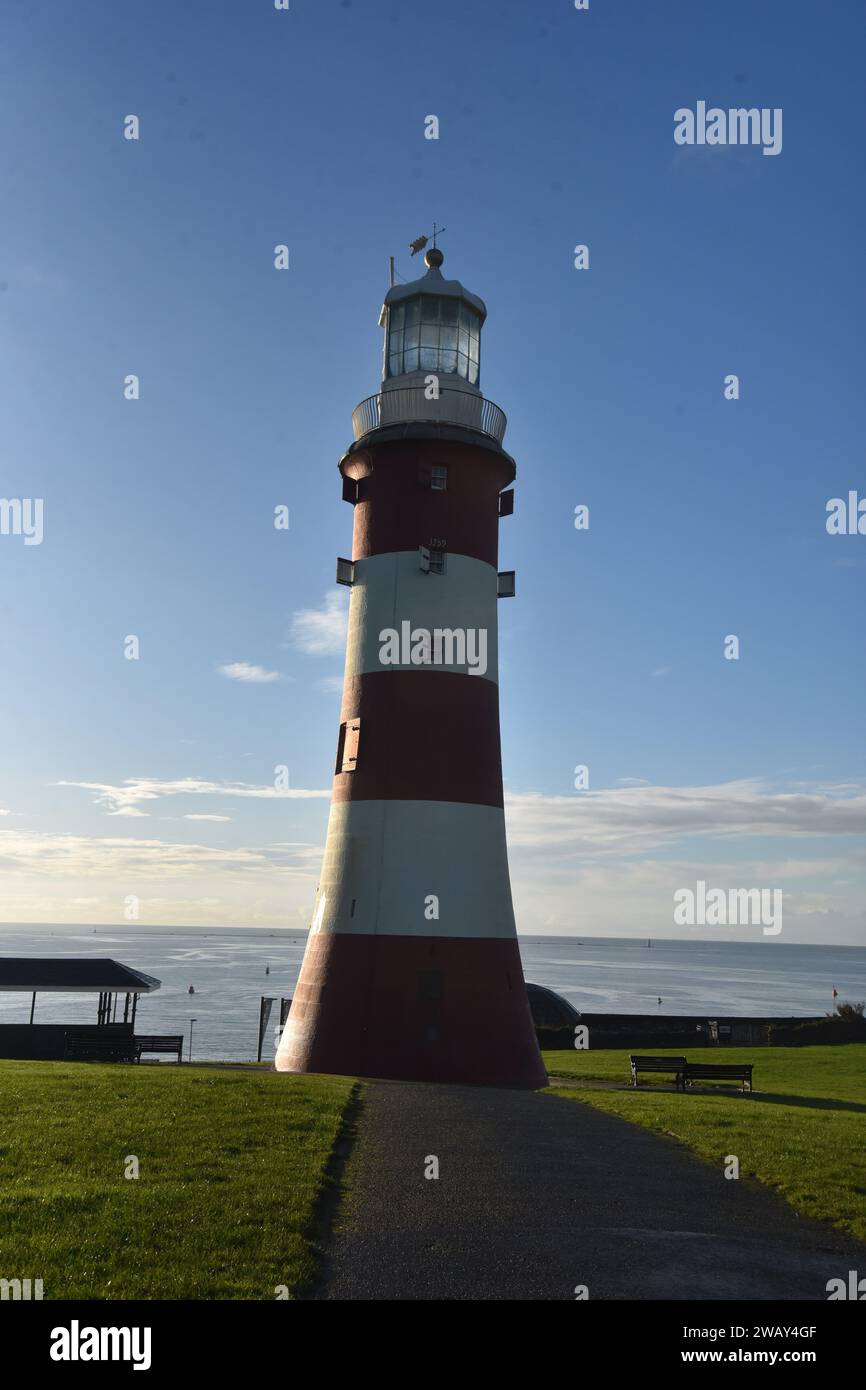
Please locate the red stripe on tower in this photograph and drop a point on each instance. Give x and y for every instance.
(412, 968)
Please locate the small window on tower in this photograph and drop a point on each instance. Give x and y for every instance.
(347, 746)
(439, 477)
(437, 561)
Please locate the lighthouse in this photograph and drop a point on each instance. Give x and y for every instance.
(412, 968)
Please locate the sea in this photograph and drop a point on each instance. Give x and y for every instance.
(230, 970)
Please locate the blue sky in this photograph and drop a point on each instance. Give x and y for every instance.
(707, 516)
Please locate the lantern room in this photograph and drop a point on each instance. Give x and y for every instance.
(433, 325)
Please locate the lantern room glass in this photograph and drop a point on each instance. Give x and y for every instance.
(434, 334)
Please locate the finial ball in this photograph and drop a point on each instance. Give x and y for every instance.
(434, 258)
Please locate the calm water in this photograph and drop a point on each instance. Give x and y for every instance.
(227, 969)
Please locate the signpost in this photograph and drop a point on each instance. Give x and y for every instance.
(264, 1014)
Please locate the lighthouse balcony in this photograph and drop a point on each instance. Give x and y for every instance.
(413, 404)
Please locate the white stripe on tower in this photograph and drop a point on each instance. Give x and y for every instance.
(391, 589)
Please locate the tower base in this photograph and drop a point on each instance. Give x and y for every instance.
(413, 1008)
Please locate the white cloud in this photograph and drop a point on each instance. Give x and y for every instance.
(634, 898)
(124, 800)
(322, 631)
(604, 862)
(635, 820)
(47, 855)
(41, 876)
(252, 675)
(35, 277)
(220, 818)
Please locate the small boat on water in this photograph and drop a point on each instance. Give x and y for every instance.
(191, 989)
(268, 968)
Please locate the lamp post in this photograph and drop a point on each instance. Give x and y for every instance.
(191, 1022)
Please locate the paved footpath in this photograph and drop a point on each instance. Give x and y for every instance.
(538, 1194)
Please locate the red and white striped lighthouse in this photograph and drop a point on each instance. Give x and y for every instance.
(412, 968)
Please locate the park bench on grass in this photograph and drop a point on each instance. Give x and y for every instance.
(656, 1064)
(710, 1071)
(160, 1042)
(97, 1047)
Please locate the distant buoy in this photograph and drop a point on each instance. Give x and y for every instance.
(191, 989)
(267, 969)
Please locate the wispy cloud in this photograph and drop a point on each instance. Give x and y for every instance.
(125, 800)
(219, 818)
(49, 855)
(41, 876)
(634, 897)
(606, 861)
(253, 675)
(634, 820)
(34, 277)
(322, 631)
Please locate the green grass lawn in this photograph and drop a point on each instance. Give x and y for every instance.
(231, 1164)
(802, 1132)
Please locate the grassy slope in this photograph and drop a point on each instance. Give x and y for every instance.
(231, 1164)
(803, 1132)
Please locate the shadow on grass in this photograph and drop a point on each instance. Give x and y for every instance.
(328, 1201)
(806, 1102)
(574, 1083)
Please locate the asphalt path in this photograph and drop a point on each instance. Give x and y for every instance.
(538, 1195)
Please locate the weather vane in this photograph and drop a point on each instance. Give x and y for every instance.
(421, 242)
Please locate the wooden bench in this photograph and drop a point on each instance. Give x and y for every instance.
(161, 1042)
(657, 1064)
(711, 1071)
(97, 1047)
